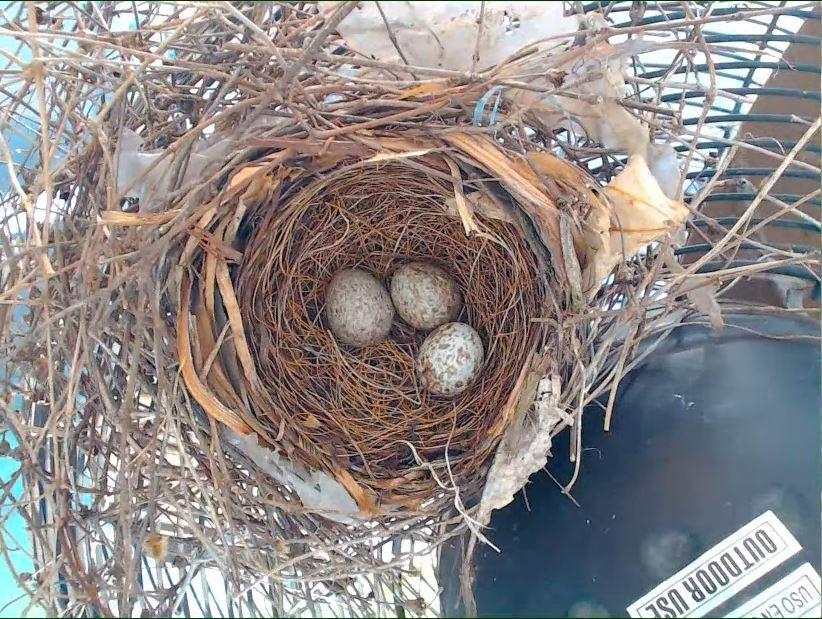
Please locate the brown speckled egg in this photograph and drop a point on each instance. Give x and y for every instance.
(425, 295)
(449, 359)
(358, 308)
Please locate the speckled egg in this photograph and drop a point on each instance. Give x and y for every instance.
(449, 359)
(358, 308)
(425, 295)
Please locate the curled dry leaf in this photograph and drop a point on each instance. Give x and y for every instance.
(156, 545)
(465, 212)
(522, 182)
(589, 97)
(636, 212)
(481, 204)
(235, 319)
(199, 390)
(551, 166)
(703, 297)
(524, 448)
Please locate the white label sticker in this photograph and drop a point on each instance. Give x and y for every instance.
(799, 594)
(721, 572)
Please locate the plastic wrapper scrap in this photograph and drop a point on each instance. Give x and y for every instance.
(462, 36)
(448, 35)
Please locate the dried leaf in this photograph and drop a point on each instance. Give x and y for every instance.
(522, 183)
(572, 268)
(466, 214)
(596, 84)
(242, 177)
(196, 388)
(704, 299)
(551, 166)
(432, 87)
(235, 318)
(637, 213)
(156, 546)
(255, 179)
(481, 204)
(311, 422)
(608, 123)
(364, 499)
(216, 378)
(523, 450)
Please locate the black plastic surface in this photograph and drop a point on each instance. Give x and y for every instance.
(712, 431)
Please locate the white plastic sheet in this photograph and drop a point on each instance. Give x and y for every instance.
(318, 491)
(444, 34)
(141, 175)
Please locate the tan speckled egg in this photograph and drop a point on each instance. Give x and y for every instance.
(358, 308)
(449, 359)
(425, 295)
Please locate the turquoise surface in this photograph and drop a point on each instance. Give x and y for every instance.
(13, 599)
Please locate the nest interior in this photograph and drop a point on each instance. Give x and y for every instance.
(363, 408)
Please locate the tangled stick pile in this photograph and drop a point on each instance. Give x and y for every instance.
(183, 418)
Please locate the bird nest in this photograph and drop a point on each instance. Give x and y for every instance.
(191, 184)
(359, 413)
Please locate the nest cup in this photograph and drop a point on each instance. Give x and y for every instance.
(363, 409)
(257, 354)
